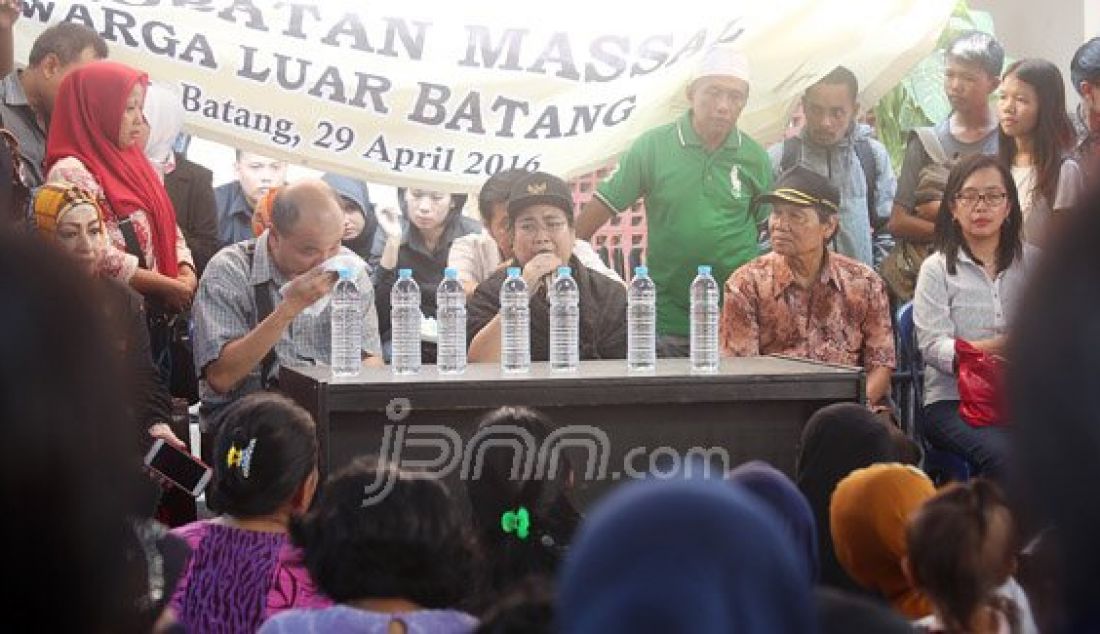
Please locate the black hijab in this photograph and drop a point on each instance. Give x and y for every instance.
(837, 440)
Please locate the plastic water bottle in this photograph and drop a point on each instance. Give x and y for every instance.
(405, 324)
(346, 327)
(641, 322)
(704, 322)
(450, 302)
(565, 315)
(515, 326)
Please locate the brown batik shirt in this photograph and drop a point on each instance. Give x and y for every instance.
(844, 317)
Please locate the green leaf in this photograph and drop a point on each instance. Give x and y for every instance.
(918, 99)
(925, 87)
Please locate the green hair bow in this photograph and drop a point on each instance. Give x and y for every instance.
(518, 522)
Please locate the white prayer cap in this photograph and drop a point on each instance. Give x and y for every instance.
(725, 61)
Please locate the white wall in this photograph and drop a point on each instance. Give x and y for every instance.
(1051, 29)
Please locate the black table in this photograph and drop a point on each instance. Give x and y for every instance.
(620, 424)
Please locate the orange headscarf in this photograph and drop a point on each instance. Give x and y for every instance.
(868, 516)
(261, 215)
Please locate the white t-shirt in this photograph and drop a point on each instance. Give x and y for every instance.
(1037, 210)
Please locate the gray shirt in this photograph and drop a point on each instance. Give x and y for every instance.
(967, 305)
(225, 310)
(17, 116)
(840, 164)
(916, 158)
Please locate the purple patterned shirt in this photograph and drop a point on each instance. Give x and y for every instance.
(239, 578)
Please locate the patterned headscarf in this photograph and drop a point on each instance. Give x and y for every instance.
(54, 200)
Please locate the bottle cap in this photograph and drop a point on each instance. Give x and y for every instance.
(641, 271)
(565, 271)
(514, 271)
(704, 269)
(450, 273)
(404, 274)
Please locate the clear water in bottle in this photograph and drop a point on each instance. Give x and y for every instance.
(704, 322)
(450, 314)
(641, 322)
(515, 324)
(346, 327)
(564, 322)
(405, 320)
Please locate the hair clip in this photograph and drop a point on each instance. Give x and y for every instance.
(246, 458)
(518, 522)
(233, 458)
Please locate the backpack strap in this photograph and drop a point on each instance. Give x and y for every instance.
(264, 308)
(930, 141)
(866, 155)
(792, 149)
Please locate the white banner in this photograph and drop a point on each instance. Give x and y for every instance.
(446, 93)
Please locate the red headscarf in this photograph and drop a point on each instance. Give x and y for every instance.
(85, 124)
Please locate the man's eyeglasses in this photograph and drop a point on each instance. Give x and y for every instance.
(970, 199)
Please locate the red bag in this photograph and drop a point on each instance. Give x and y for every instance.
(980, 386)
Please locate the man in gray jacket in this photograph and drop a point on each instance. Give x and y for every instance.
(834, 145)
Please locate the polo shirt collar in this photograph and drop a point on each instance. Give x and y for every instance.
(784, 277)
(688, 137)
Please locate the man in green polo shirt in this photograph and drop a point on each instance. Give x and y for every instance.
(698, 176)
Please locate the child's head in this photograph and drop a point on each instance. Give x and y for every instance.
(265, 457)
(509, 482)
(962, 547)
(410, 543)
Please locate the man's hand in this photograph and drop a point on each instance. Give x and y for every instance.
(537, 268)
(10, 10)
(308, 288)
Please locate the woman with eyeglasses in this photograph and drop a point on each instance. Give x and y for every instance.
(1036, 140)
(969, 289)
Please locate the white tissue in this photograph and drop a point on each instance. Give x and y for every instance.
(348, 261)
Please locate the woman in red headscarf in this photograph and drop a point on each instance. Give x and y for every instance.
(94, 143)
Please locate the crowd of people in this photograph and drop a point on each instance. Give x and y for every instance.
(130, 281)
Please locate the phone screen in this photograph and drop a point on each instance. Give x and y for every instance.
(178, 466)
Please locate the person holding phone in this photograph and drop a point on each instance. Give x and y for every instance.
(244, 568)
(73, 219)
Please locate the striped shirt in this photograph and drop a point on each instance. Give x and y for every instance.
(225, 310)
(967, 305)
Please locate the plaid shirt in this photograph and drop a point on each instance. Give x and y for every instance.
(843, 318)
(225, 310)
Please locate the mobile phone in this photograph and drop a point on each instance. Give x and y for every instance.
(179, 467)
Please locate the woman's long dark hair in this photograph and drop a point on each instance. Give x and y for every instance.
(1053, 133)
(949, 238)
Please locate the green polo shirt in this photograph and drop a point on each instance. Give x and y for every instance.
(697, 208)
